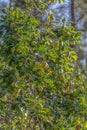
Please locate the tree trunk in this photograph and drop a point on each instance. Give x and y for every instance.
(10, 1)
(72, 13)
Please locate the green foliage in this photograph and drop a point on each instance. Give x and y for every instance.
(40, 88)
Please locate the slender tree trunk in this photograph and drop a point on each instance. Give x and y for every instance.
(10, 2)
(73, 13)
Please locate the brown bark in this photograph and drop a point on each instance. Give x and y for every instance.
(73, 13)
(77, 127)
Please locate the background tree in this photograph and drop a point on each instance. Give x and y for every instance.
(76, 12)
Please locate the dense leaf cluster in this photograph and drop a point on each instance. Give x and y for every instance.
(40, 87)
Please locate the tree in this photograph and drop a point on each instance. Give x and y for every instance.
(40, 89)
